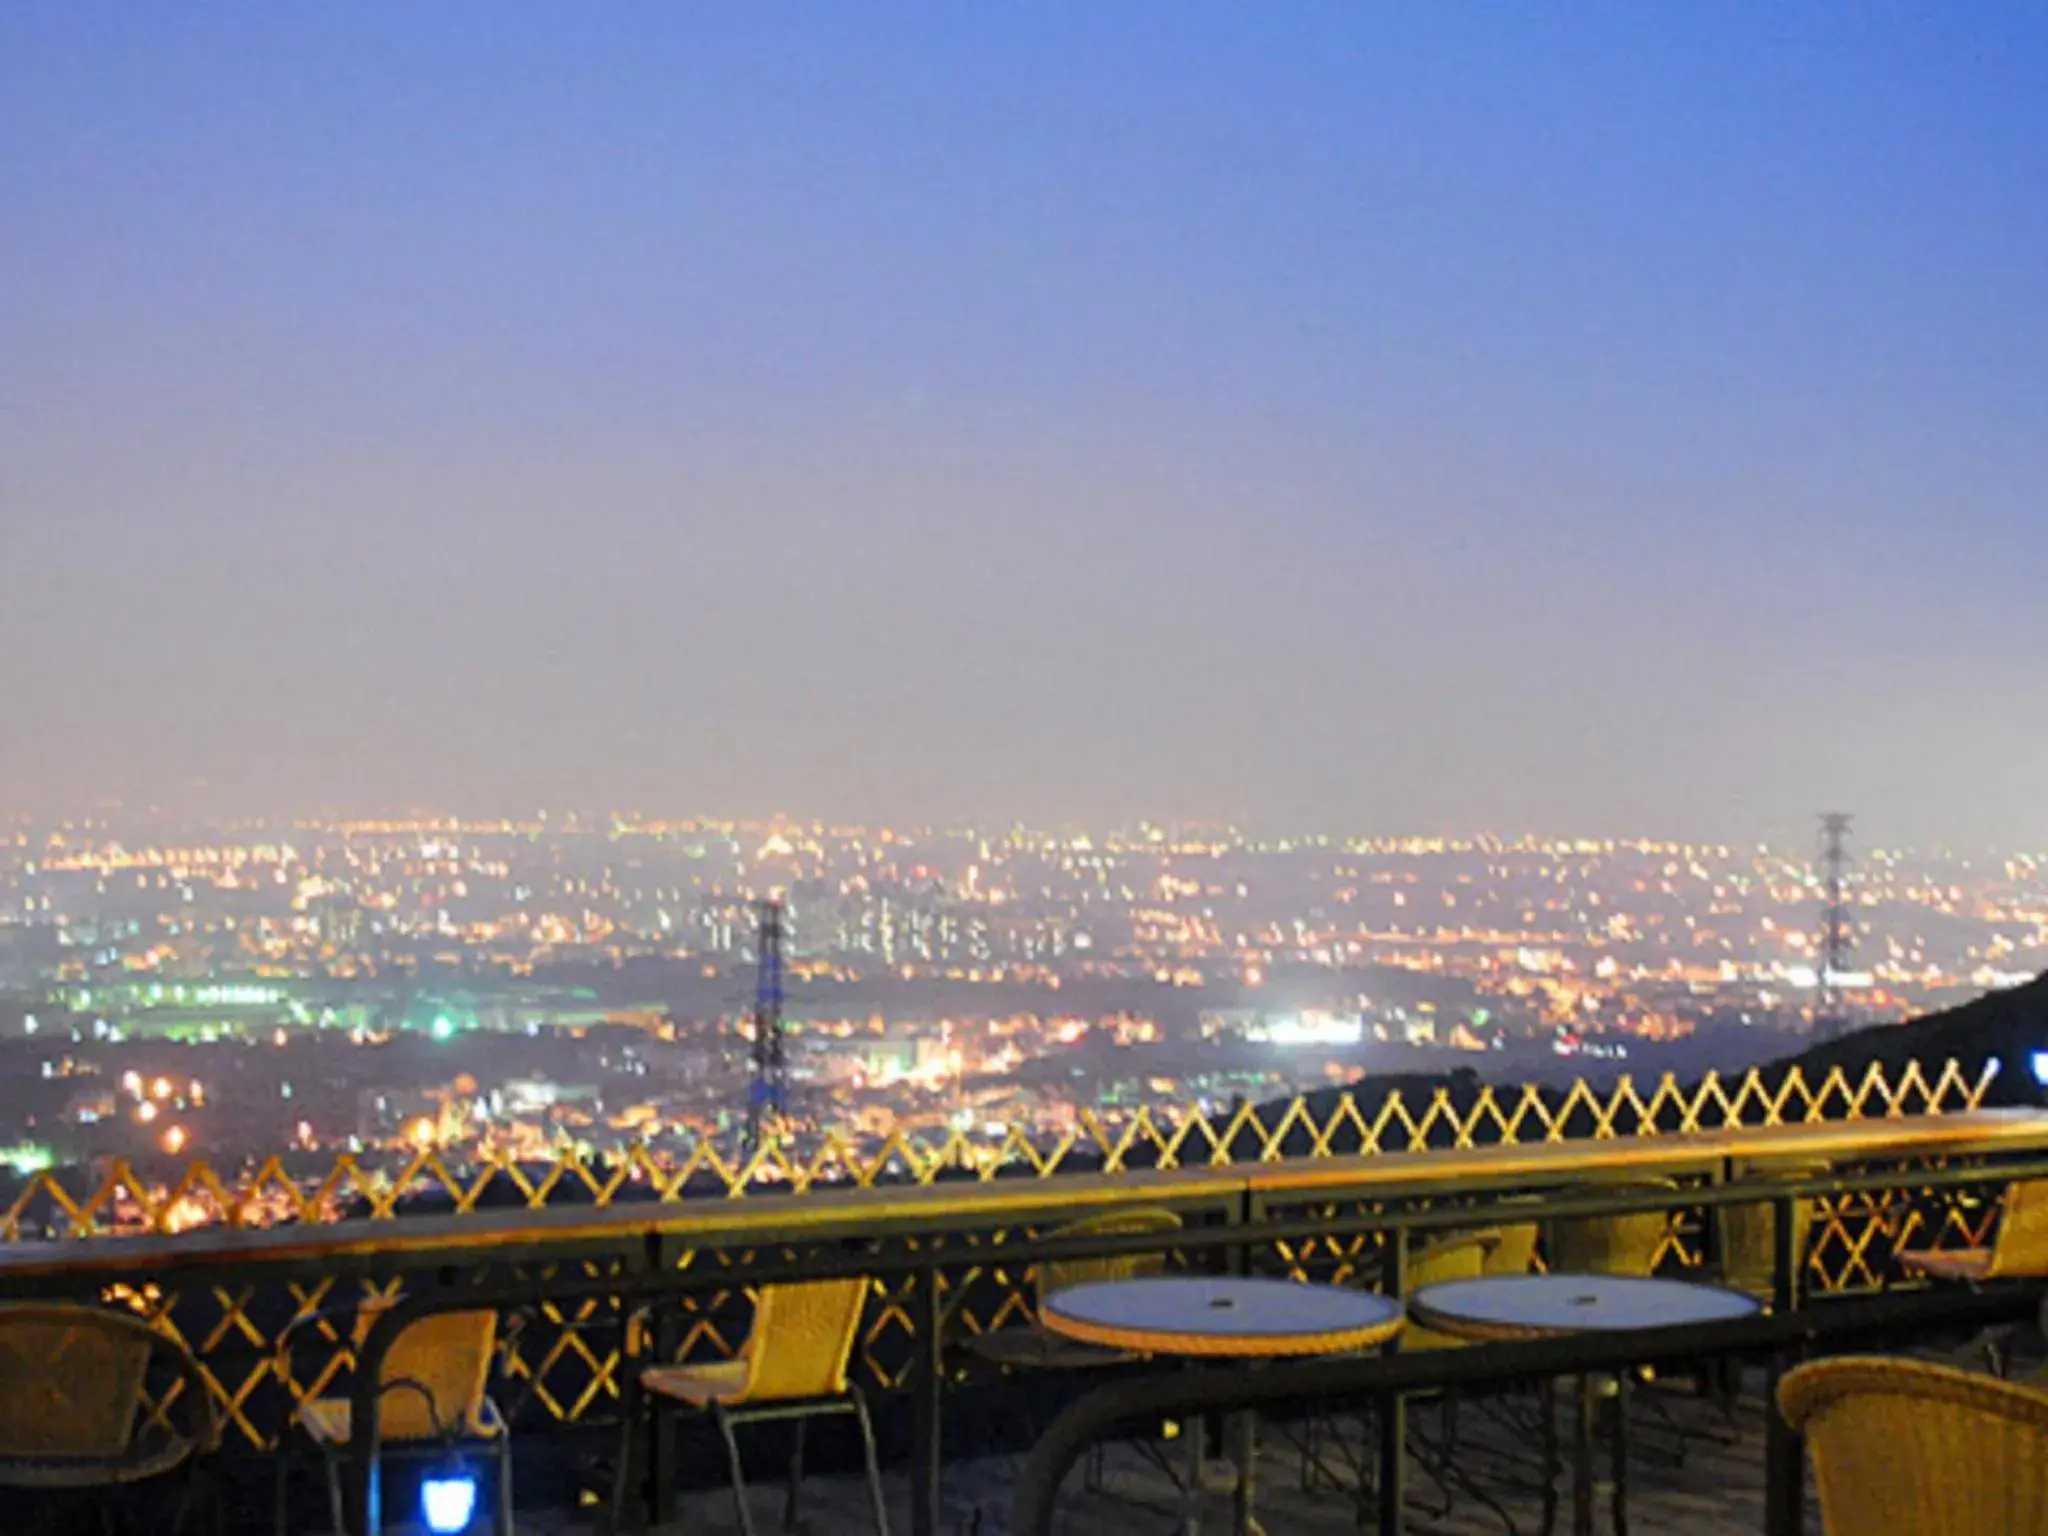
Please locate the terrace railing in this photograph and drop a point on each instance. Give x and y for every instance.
(1252, 1244)
(1354, 1124)
(1353, 1160)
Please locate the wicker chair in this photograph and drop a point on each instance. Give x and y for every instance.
(1034, 1347)
(71, 1403)
(1463, 1256)
(434, 1403)
(1514, 1249)
(1626, 1244)
(1898, 1445)
(1748, 1234)
(793, 1367)
(1037, 1347)
(1610, 1245)
(2020, 1249)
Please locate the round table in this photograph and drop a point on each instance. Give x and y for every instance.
(1222, 1317)
(1507, 1308)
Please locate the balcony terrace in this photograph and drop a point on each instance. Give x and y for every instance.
(944, 1255)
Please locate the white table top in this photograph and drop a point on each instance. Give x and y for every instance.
(1221, 1315)
(1536, 1306)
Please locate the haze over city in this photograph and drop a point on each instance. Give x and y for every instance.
(1183, 564)
(1372, 420)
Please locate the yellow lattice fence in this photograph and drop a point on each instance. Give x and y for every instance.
(123, 1201)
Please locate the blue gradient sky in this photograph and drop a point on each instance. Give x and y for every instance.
(1375, 418)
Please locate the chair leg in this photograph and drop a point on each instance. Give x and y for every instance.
(625, 1481)
(739, 1476)
(793, 1500)
(1444, 1467)
(281, 1518)
(1998, 1343)
(1447, 1450)
(1621, 1397)
(1552, 1471)
(874, 1463)
(216, 1501)
(1585, 1400)
(334, 1496)
(193, 1497)
(501, 1522)
(1312, 1453)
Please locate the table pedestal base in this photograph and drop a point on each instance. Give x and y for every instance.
(1586, 1397)
(1239, 1476)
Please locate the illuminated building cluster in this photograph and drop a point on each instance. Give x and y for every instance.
(520, 986)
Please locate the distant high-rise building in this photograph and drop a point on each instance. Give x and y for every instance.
(341, 924)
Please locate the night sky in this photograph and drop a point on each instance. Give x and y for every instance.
(1623, 419)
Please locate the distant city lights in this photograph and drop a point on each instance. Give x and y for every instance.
(584, 979)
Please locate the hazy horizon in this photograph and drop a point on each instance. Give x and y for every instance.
(1622, 421)
(1790, 840)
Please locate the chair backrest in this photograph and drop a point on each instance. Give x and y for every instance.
(2022, 1244)
(1514, 1249)
(1143, 1220)
(1455, 1258)
(1749, 1233)
(802, 1338)
(449, 1354)
(1899, 1445)
(1610, 1245)
(70, 1380)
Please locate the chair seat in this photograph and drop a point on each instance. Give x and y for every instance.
(1040, 1349)
(95, 1471)
(1950, 1264)
(327, 1420)
(719, 1381)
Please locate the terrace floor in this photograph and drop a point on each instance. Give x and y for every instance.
(1715, 1487)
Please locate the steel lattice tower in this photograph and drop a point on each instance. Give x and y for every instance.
(768, 1100)
(1836, 940)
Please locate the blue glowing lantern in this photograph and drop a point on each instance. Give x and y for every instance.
(448, 1500)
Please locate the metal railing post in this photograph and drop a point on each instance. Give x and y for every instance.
(1392, 1409)
(1785, 1254)
(927, 1385)
(1714, 1239)
(1784, 1458)
(1784, 1449)
(362, 1501)
(665, 1342)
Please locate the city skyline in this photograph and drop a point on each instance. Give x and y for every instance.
(1376, 419)
(374, 984)
(114, 822)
